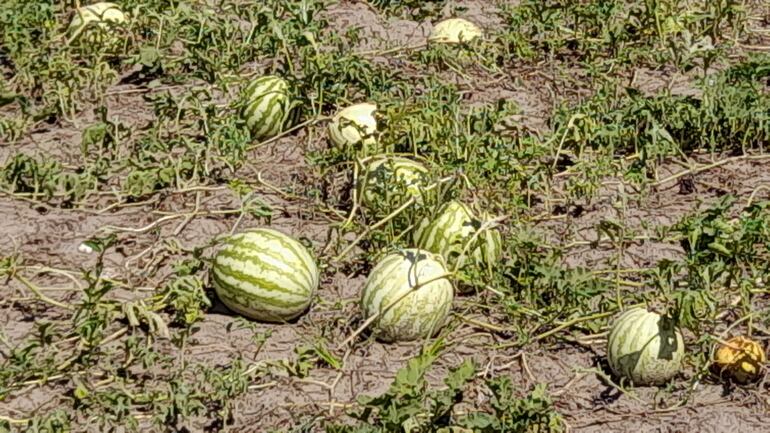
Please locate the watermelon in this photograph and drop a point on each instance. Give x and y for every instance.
(265, 275)
(266, 106)
(740, 358)
(645, 347)
(409, 293)
(100, 14)
(454, 31)
(450, 232)
(386, 182)
(354, 126)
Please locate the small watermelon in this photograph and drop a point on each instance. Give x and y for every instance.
(266, 106)
(387, 182)
(100, 15)
(454, 31)
(740, 358)
(354, 126)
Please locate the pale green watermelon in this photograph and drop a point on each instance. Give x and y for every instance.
(452, 230)
(99, 15)
(386, 182)
(354, 126)
(265, 275)
(454, 31)
(411, 293)
(645, 347)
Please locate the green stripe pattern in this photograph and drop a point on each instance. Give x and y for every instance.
(265, 275)
(387, 182)
(410, 293)
(450, 232)
(266, 106)
(645, 347)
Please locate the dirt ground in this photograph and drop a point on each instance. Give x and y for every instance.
(49, 236)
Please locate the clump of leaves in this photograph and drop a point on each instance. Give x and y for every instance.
(725, 256)
(533, 413)
(730, 116)
(482, 144)
(410, 404)
(57, 421)
(533, 278)
(620, 32)
(417, 10)
(43, 178)
(185, 297)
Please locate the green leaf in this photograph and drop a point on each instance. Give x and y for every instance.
(458, 377)
(149, 56)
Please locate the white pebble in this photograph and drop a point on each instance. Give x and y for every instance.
(83, 248)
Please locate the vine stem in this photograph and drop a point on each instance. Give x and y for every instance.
(561, 326)
(14, 421)
(481, 324)
(707, 167)
(610, 382)
(190, 215)
(34, 289)
(289, 131)
(383, 221)
(392, 50)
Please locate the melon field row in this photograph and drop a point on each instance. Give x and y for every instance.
(384, 216)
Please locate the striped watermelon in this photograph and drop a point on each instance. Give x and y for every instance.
(386, 182)
(267, 105)
(99, 14)
(454, 31)
(354, 125)
(409, 292)
(450, 231)
(645, 347)
(265, 275)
